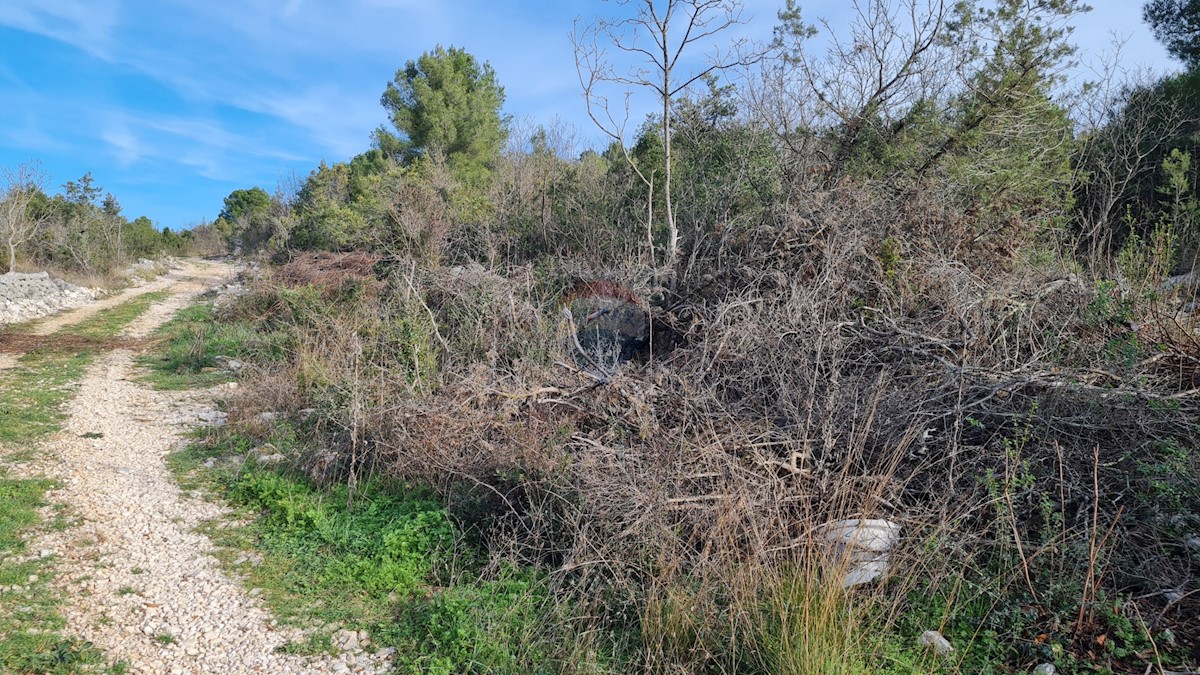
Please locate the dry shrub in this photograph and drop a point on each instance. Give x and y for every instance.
(419, 218)
(808, 371)
(332, 273)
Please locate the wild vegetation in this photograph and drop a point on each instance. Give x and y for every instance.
(900, 273)
(78, 232)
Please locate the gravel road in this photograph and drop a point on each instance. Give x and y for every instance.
(134, 570)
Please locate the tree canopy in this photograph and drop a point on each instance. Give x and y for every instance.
(1176, 24)
(446, 101)
(245, 203)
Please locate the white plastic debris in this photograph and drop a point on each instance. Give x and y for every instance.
(1045, 669)
(864, 546)
(932, 638)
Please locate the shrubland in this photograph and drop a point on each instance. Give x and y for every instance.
(79, 233)
(919, 288)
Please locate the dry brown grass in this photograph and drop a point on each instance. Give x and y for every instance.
(857, 360)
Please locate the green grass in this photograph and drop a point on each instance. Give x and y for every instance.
(388, 561)
(193, 341)
(32, 394)
(109, 321)
(30, 625)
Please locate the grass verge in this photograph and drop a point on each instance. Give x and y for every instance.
(386, 559)
(193, 344)
(30, 625)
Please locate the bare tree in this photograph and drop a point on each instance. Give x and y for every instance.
(893, 58)
(1127, 126)
(17, 189)
(659, 36)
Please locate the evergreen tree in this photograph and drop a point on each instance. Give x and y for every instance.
(1176, 24)
(446, 102)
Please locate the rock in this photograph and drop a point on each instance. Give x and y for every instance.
(29, 296)
(609, 325)
(228, 363)
(932, 638)
(864, 546)
(1045, 669)
(213, 417)
(346, 639)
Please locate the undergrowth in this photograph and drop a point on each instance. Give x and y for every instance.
(384, 557)
(452, 483)
(193, 343)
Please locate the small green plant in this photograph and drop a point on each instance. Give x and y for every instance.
(165, 639)
(890, 258)
(317, 642)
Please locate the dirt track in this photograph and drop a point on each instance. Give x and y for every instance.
(134, 570)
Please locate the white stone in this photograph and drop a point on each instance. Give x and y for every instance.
(932, 638)
(863, 546)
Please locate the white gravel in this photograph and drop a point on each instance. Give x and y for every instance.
(133, 517)
(188, 273)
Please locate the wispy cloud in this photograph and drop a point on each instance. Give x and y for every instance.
(336, 120)
(124, 146)
(85, 24)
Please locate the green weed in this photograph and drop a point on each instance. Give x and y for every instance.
(384, 558)
(28, 600)
(194, 341)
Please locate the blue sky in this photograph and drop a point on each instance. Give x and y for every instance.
(172, 104)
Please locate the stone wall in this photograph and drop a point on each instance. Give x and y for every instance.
(28, 296)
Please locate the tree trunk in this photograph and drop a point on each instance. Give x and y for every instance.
(672, 231)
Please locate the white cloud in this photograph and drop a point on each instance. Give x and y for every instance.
(124, 146)
(88, 25)
(337, 120)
